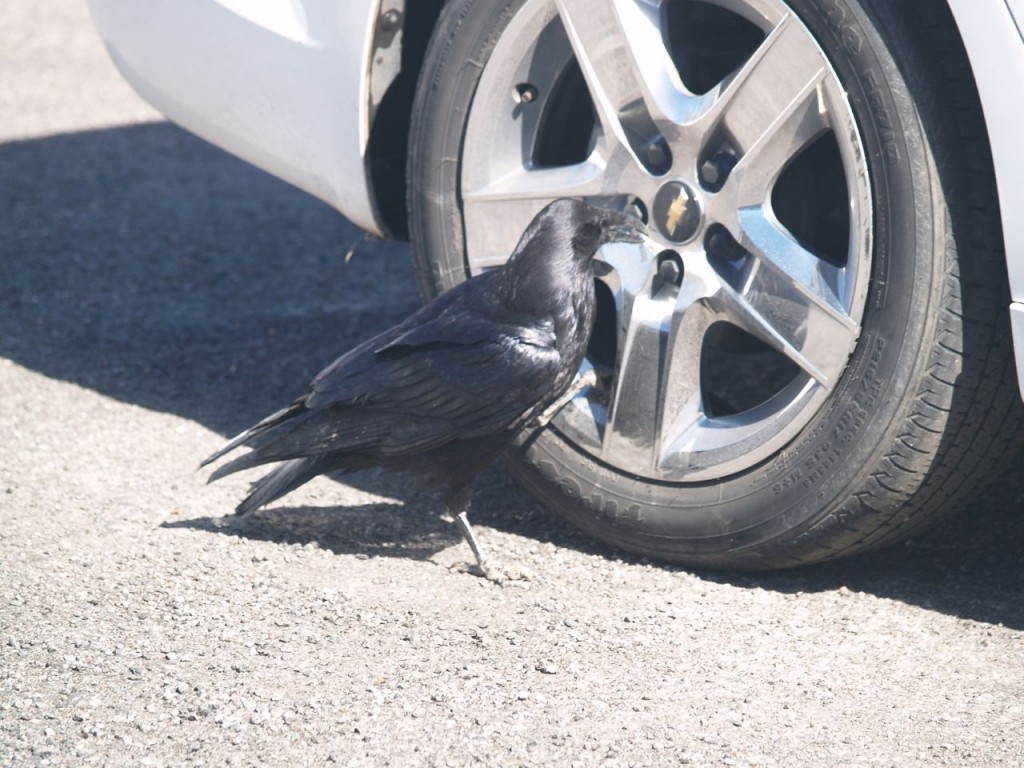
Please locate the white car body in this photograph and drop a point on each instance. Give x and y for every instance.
(292, 85)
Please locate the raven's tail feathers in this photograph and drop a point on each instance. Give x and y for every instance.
(284, 479)
(252, 432)
(237, 464)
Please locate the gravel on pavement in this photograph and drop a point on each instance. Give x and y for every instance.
(157, 295)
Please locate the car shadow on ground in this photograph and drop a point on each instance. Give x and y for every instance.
(144, 264)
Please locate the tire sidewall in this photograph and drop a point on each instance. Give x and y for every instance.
(843, 447)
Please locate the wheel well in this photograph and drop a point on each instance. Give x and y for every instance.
(389, 130)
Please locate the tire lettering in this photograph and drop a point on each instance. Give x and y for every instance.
(632, 513)
(835, 16)
(609, 509)
(847, 35)
(868, 391)
(852, 41)
(850, 424)
(849, 38)
(615, 510)
(884, 122)
(821, 462)
(787, 482)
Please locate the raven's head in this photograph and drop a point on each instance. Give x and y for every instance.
(554, 255)
(596, 226)
(572, 228)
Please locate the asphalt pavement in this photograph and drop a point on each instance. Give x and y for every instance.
(158, 295)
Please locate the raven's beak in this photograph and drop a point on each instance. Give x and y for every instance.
(629, 232)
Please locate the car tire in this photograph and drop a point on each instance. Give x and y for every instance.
(924, 405)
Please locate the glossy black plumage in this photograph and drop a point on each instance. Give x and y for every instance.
(440, 394)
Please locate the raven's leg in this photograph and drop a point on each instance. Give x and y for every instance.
(457, 504)
(470, 537)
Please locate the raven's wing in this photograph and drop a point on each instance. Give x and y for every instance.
(454, 316)
(432, 386)
(344, 380)
(407, 392)
(453, 357)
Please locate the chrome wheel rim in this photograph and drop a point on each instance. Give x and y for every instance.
(723, 123)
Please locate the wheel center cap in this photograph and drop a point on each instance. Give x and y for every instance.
(677, 212)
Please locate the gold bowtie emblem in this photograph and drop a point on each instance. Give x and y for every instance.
(676, 210)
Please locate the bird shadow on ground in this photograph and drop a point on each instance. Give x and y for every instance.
(412, 526)
(373, 530)
(144, 264)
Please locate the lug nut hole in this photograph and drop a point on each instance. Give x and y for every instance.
(636, 207)
(524, 93)
(670, 268)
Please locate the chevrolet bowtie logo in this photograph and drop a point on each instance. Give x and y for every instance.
(677, 212)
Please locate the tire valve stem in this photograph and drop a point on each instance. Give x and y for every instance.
(524, 93)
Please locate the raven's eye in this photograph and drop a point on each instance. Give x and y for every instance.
(588, 236)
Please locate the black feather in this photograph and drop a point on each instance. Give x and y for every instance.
(440, 394)
(285, 478)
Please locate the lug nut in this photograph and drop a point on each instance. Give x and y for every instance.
(659, 158)
(715, 170)
(719, 244)
(670, 268)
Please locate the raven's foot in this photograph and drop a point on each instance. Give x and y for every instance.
(484, 566)
(493, 572)
(580, 383)
(595, 377)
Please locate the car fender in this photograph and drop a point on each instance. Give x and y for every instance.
(281, 84)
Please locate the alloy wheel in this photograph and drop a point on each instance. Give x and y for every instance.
(723, 125)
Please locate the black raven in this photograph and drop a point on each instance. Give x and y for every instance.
(442, 393)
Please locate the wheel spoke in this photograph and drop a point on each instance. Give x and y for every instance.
(804, 121)
(683, 416)
(497, 212)
(770, 108)
(630, 434)
(658, 371)
(788, 299)
(634, 84)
